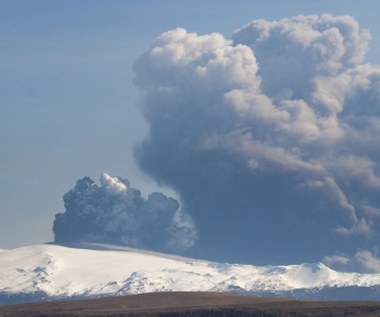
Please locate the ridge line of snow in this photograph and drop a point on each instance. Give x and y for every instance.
(99, 269)
(120, 248)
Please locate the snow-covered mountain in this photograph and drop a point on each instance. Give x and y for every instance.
(48, 271)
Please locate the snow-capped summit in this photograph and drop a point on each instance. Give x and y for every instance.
(54, 271)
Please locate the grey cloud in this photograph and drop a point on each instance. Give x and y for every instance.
(269, 138)
(368, 260)
(363, 260)
(297, 49)
(114, 212)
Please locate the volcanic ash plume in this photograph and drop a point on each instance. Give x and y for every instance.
(114, 212)
(271, 138)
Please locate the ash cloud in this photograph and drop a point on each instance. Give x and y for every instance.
(115, 212)
(271, 138)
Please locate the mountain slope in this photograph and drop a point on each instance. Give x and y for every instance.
(53, 271)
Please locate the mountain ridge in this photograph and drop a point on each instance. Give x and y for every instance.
(51, 271)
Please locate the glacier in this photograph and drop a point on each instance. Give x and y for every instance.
(51, 271)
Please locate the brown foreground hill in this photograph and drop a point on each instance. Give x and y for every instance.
(193, 304)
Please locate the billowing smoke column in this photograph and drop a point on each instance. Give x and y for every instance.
(114, 212)
(271, 138)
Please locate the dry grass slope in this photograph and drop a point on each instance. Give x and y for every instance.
(193, 304)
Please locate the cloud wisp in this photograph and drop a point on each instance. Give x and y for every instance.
(114, 212)
(270, 138)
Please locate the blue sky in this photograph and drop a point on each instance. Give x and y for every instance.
(67, 101)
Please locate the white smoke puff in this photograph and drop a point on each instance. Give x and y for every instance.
(184, 231)
(112, 184)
